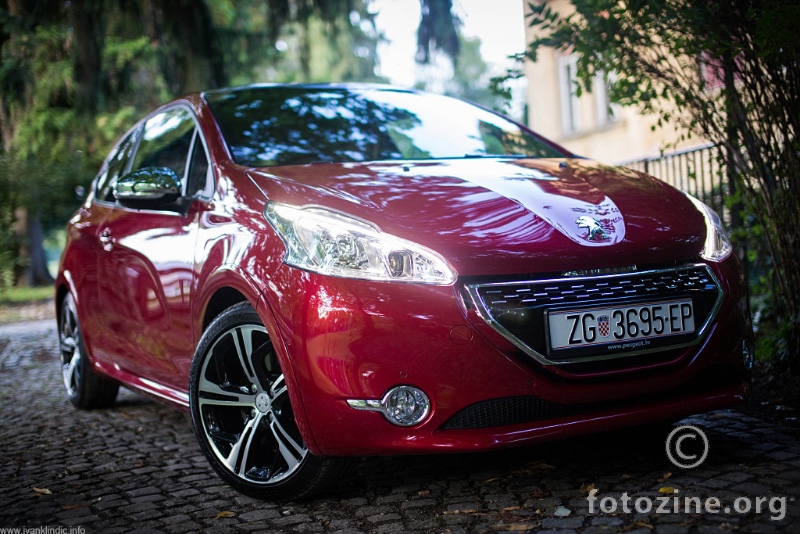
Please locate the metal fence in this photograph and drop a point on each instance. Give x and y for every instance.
(699, 171)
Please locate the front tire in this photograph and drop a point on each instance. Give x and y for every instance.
(85, 389)
(242, 415)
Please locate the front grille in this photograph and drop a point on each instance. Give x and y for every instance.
(528, 409)
(517, 309)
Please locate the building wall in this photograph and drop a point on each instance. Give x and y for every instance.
(627, 136)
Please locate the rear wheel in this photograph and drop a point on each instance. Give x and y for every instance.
(85, 389)
(242, 415)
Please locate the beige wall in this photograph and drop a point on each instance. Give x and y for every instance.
(626, 138)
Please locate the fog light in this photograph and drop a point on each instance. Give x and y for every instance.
(748, 354)
(405, 405)
(401, 405)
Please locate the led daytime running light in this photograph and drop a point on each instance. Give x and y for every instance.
(717, 246)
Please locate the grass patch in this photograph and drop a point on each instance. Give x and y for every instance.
(21, 295)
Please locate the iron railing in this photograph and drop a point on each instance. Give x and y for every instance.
(699, 171)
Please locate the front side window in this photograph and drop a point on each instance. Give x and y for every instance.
(115, 168)
(165, 142)
(266, 126)
(199, 170)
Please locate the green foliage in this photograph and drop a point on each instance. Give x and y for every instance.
(726, 71)
(319, 51)
(10, 241)
(18, 295)
(75, 75)
(470, 80)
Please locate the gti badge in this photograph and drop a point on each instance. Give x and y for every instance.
(596, 231)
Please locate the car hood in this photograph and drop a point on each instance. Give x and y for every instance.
(506, 216)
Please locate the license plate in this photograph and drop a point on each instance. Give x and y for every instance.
(620, 327)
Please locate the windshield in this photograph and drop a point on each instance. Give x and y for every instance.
(295, 125)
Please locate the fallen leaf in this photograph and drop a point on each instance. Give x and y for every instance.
(665, 477)
(515, 527)
(470, 513)
(75, 506)
(667, 490)
(539, 494)
(42, 491)
(423, 493)
(541, 466)
(638, 524)
(225, 514)
(510, 509)
(587, 488)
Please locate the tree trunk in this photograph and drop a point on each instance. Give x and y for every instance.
(190, 45)
(89, 35)
(37, 272)
(203, 67)
(305, 51)
(731, 168)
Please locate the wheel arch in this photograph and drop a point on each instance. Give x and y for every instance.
(222, 299)
(61, 292)
(230, 286)
(64, 286)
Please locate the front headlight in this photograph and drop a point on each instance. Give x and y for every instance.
(334, 244)
(717, 246)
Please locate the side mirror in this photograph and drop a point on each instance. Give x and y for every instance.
(148, 188)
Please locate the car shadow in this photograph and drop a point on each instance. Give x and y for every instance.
(630, 460)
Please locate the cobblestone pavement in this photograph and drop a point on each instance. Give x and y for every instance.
(137, 467)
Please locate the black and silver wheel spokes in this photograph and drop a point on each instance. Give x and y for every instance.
(244, 406)
(70, 351)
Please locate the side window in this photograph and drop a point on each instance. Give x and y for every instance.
(198, 168)
(166, 141)
(116, 166)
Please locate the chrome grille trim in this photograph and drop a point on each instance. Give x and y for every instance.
(546, 293)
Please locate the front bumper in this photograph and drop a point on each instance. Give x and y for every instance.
(349, 339)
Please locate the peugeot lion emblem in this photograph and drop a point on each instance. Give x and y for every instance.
(596, 231)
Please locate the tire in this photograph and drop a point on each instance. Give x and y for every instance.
(85, 389)
(242, 415)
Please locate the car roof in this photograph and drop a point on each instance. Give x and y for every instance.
(348, 86)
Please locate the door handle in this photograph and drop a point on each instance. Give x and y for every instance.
(105, 237)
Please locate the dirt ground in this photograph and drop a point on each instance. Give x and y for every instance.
(27, 311)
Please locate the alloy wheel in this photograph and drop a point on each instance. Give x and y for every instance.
(244, 407)
(71, 356)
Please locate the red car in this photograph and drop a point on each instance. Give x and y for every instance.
(319, 272)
